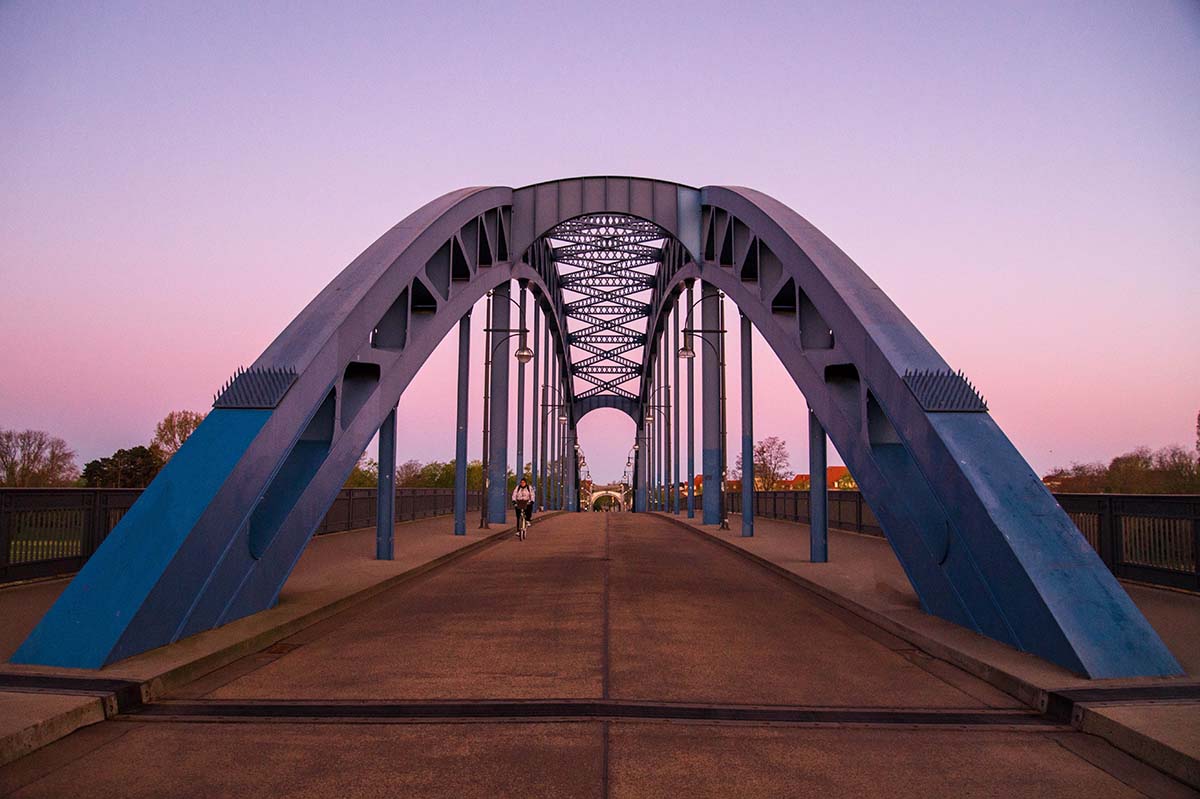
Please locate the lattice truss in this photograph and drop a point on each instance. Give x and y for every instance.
(607, 264)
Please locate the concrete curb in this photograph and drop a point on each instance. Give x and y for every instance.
(1094, 720)
(64, 719)
(1159, 754)
(94, 707)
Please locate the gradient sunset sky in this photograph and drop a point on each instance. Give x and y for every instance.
(1023, 179)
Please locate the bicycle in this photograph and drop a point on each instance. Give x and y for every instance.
(522, 507)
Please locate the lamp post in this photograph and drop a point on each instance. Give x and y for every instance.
(555, 466)
(652, 411)
(523, 355)
(688, 352)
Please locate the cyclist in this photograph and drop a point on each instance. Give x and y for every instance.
(522, 498)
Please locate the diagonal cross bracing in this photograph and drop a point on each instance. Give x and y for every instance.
(606, 265)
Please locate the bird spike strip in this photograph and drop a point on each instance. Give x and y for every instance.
(256, 387)
(944, 391)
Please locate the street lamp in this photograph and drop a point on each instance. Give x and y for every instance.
(523, 355)
(687, 352)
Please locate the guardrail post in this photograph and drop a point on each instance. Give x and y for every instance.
(5, 532)
(1106, 527)
(1196, 544)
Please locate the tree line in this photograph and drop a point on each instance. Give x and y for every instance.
(415, 474)
(36, 459)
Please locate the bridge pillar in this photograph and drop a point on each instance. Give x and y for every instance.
(655, 441)
(747, 429)
(460, 432)
(691, 409)
(552, 428)
(639, 468)
(497, 499)
(818, 495)
(675, 427)
(385, 499)
(572, 471)
(535, 473)
(711, 399)
(543, 477)
(522, 337)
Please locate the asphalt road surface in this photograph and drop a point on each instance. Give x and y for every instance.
(607, 655)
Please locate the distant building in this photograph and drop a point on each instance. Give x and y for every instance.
(838, 478)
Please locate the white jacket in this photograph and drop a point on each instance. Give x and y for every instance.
(525, 493)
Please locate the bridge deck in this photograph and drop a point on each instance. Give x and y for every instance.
(652, 635)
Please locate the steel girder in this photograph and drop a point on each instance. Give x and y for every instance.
(216, 534)
(983, 542)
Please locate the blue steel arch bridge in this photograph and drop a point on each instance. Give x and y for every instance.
(623, 278)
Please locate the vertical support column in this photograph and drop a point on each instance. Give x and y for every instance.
(487, 415)
(572, 462)
(560, 457)
(675, 383)
(460, 433)
(498, 423)
(711, 399)
(660, 417)
(522, 339)
(747, 429)
(639, 469)
(556, 440)
(534, 413)
(668, 486)
(654, 424)
(690, 339)
(818, 497)
(544, 486)
(385, 501)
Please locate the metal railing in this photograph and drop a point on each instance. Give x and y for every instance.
(50, 531)
(1149, 538)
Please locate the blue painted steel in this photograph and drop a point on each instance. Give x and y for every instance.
(519, 465)
(983, 542)
(461, 424)
(385, 495)
(543, 476)
(818, 540)
(639, 469)
(97, 608)
(710, 389)
(747, 429)
(675, 427)
(535, 413)
(572, 473)
(691, 406)
(498, 495)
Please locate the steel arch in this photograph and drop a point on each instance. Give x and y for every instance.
(981, 539)
(216, 534)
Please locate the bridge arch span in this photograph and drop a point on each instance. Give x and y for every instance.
(981, 539)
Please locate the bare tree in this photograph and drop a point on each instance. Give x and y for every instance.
(771, 462)
(173, 430)
(35, 458)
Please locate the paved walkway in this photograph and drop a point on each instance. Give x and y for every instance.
(864, 568)
(607, 655)
(331, 563)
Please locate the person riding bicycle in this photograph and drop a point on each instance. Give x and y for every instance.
(522, 498)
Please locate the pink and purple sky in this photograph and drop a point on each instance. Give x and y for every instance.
(1023, 179)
